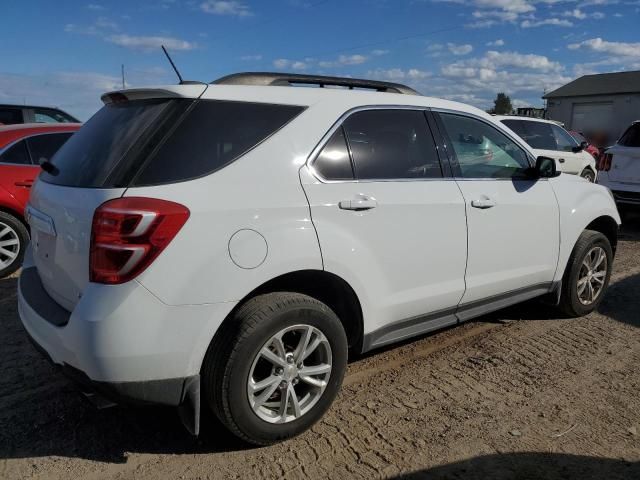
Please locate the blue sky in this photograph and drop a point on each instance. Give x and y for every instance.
(68, 53)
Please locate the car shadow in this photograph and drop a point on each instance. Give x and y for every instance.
(531, 466)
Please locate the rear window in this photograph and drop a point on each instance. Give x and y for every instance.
(154, 142)
(10, 116)
(631, 137)
(43, 147)
(537, 134)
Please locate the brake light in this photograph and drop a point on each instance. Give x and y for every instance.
(604, 162)
(128, 234)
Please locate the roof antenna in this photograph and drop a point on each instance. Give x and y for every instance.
(172, 64)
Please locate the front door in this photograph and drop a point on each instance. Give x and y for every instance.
(387, 220)
(512, 220)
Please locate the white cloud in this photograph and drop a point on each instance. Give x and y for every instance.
(496, 43)
(226, 7)
(379, 52)
(459, 49)
(493, 60)
(581, 15)
(148, 43)
(397, 74)
(299, 65)
(95, 6)
(599, 45)
(548, 21)
(281, 63)
(251, 58)
(352, 59)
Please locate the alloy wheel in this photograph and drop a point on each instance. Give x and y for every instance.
(289, 374)
(592, 276)
(9, 245)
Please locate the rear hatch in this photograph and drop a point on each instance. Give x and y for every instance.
(95, 165)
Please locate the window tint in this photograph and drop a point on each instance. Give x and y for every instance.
(565, 141)
(536, 134)
(631, 137)
(17, 153)
(481, 150)
(43, 147)
(213, 134)
(388, 144)
(49, 115)
(333, 162)
(10, 116)
(91, 156)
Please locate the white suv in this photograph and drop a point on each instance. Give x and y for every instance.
(228, 245)
(620, 167)
(549, 139)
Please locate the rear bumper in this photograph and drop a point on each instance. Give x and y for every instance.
(121, 341)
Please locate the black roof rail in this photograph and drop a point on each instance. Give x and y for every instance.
(289, 79)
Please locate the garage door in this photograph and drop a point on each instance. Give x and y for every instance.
(589, 117)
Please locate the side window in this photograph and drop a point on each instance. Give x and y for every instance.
(392, 144)
(47, 115)
(565, 141)
(631, 137)
(43, 147)
(17, 154)
(481, 150)
(539, 135)
(517, 126)
(333, 162)
(10, 116)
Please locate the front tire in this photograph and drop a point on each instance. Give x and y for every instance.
(13, 242)
(588, 175)
(276, 367)
(587, 274)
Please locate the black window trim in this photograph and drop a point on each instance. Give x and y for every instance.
(363, 108)
(450, 154)
(33, 164)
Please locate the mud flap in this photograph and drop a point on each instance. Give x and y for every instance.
(189, 408)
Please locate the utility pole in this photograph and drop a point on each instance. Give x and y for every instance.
(122, 70)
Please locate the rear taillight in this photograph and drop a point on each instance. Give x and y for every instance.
(129, 233)
(604, 162)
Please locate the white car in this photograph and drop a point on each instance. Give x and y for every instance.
(549, 139)
(225, 246)
(620, 168)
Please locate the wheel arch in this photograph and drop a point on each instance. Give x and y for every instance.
(324, 286)
(608, 227)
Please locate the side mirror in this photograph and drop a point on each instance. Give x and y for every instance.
(546, 168)
(581, 147)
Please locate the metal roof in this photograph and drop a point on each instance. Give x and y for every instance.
(600, 84)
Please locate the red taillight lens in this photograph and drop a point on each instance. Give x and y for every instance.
(129, 233)
(604, 162)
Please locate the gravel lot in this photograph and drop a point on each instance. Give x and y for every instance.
(517, 394)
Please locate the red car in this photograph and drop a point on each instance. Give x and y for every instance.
(591, 148)
(23, 148)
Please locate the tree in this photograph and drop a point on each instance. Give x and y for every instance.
(502, 104)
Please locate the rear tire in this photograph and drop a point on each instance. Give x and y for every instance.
(587, 275)
(588, 175)
(13, 242)
(264, 344)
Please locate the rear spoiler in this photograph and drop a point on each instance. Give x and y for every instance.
(191, 90)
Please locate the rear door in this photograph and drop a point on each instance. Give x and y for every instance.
(18, 172)
(388, 220)
(625, 165)
(513, 231)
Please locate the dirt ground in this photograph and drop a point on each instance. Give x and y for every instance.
(517, 394)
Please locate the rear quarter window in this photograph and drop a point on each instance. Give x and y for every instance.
(212, 135)
(631, 138)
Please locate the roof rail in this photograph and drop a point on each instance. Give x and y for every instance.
(289, 79)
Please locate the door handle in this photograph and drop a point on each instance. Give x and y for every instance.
(561, 160)
(483, 203)
(360, 203)
(26, 183)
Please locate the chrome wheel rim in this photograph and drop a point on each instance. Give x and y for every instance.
(9, 245)
(289, 374)
(593, 273)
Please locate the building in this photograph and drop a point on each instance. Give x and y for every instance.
(606, 103)
(530, 112)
